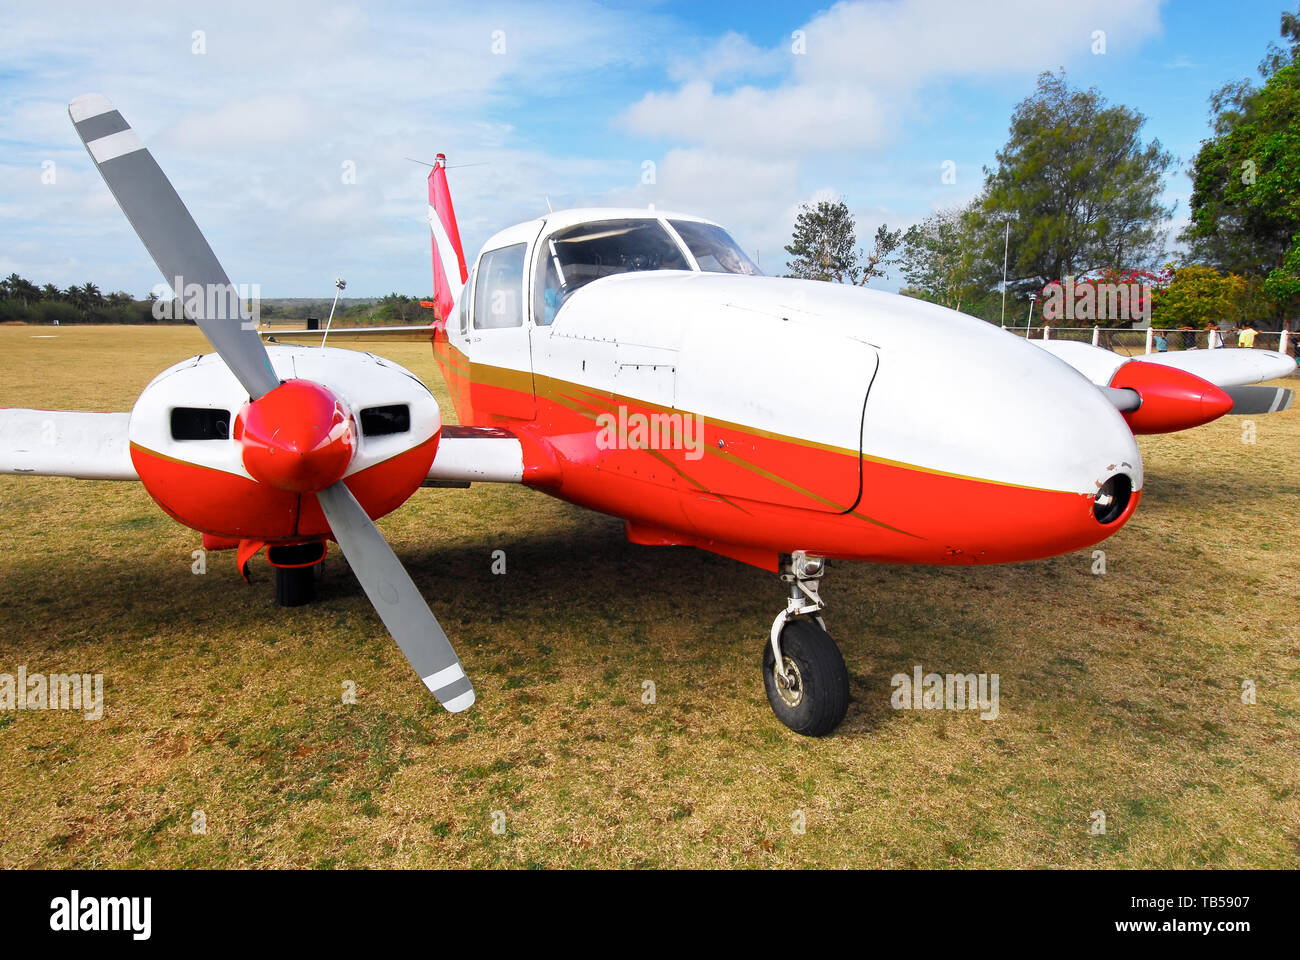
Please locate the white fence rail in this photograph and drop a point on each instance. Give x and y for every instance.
(1132, 342)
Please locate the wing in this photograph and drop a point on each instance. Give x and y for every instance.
(353, 334)
(58, 443)
(1161, 393)
(492, 455)
(1227, 366)
(1224, 367)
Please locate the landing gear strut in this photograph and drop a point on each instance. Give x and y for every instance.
(803, 671)
(297, 570)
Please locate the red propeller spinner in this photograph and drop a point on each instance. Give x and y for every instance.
(1172, 399)
(297, 437)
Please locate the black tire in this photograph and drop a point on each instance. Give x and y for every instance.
(295, 586)
(822, 698)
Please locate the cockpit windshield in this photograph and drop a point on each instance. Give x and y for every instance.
(713, 248)
(571, 258)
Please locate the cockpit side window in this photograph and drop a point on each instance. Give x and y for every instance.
(574, 256)
(713, 248)
(498, 288)
(462, 309)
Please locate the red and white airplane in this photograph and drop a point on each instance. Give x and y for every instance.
(636, 363)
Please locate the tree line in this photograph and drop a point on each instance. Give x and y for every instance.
(24, 302)
(1075, 194)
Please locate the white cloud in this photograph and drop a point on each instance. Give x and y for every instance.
(865, 61)
(731, 56)
(254, 131)
(867, 69)
(790, 119)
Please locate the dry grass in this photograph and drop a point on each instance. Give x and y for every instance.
(1118, 692)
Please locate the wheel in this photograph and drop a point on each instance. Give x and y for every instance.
(816, 699)
(295, 586)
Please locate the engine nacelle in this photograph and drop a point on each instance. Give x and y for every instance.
(1171, 399)
(191, 447)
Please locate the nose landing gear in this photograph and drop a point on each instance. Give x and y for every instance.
(804, 674)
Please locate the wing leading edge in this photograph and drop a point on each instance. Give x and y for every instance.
(62, 443)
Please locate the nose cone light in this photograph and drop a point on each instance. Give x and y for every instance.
(1112, 498)
(298, 437)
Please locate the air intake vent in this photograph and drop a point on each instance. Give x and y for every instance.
(200, 423)
(381, 421)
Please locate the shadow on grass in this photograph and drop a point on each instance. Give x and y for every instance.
(574, 571)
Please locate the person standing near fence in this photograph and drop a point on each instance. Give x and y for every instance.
(1247, 336)
(1162, 344)
(1213, 339)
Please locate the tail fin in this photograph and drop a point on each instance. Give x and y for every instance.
(449, 272)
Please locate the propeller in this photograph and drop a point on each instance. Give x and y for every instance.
(173, 239)
(295, 435)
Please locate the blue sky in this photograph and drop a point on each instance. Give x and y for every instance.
(255, 129)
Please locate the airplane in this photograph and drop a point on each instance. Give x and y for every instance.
(636, 363)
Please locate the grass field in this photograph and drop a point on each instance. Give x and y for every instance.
(1118, 692)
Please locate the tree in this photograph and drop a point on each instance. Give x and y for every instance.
(882, 255)
(825, 246)
(398, 308)
(824, 243)
(1081, 189)
(940, 258)
(1245, 205)
(1111, 298)
(15, 287)
(1198, 295)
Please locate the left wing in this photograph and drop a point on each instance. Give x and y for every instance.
(469, 454)
(417, 334)
(60, 443)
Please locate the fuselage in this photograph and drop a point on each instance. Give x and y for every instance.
(757, 416)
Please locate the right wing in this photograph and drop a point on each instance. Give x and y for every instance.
(1232, 368)
(60, 443)
(1162, 392)
(1224, 367)
(1227, 366)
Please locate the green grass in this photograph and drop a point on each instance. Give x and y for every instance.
(1119, 693)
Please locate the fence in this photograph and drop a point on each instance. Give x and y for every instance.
(1131, 342)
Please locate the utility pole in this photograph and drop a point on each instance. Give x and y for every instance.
(1006, 246)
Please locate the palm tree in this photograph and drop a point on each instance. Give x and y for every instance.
(16, 288)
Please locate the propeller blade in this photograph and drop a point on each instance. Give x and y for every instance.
(172, 238)
(1259, 399)
(396, 599)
